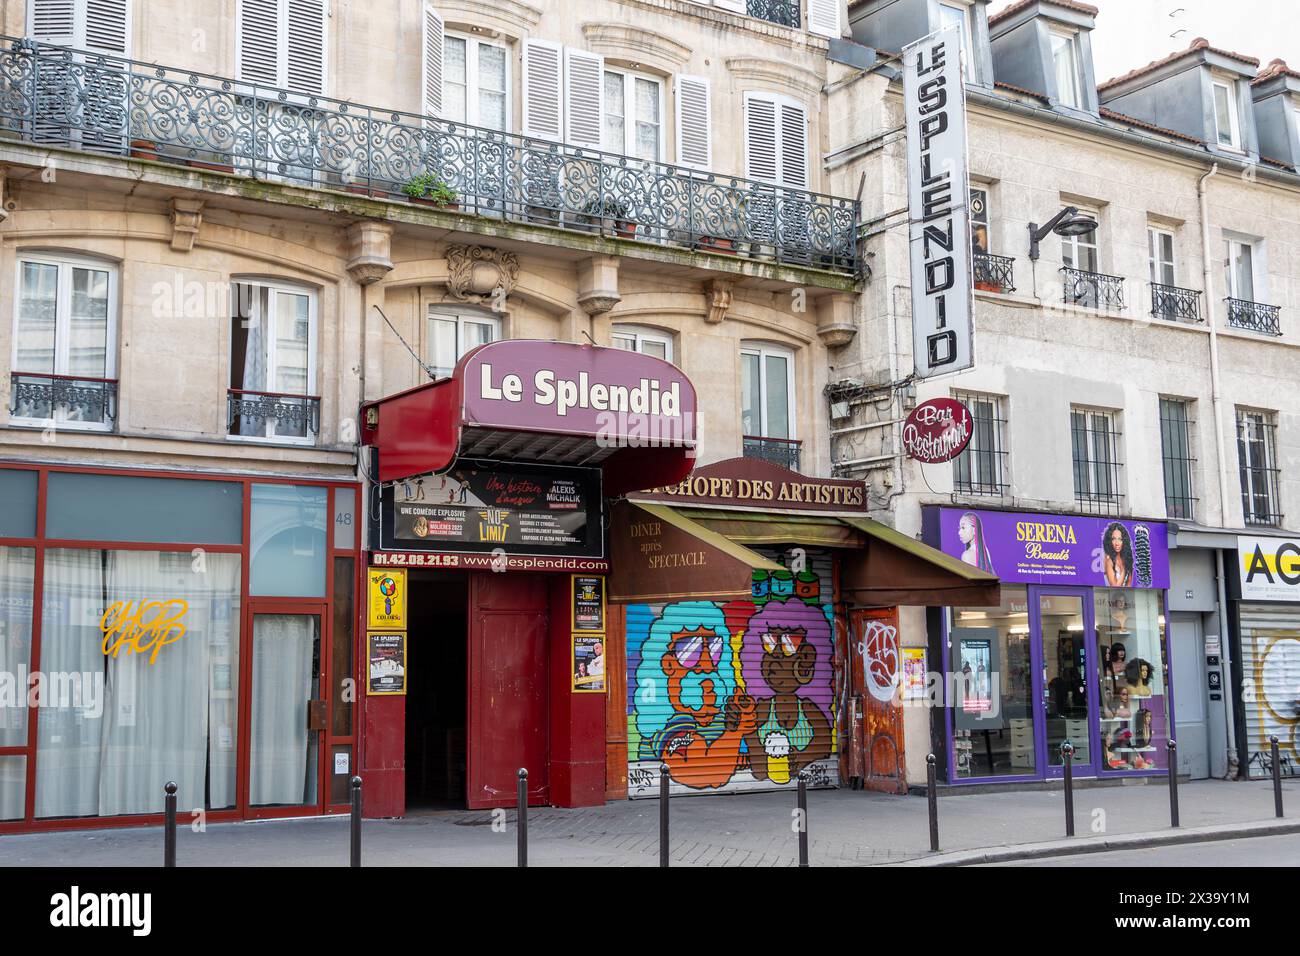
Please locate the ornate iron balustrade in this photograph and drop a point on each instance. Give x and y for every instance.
(63, 399)
(1175, 304)
(1255, 316)
(779, 451)
(57, 96)
(993, 273)
(1094, 290)
(272, 414)
(785, 13)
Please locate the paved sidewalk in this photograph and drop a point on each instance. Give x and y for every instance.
(845, 828)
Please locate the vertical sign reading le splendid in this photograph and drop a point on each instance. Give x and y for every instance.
(937, 197)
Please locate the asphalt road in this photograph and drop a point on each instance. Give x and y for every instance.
(1281, 850)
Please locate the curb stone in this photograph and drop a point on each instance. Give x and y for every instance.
(1104, 844)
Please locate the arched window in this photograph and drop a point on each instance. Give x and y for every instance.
(637, 338)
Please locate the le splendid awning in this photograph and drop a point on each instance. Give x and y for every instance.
(555, 403)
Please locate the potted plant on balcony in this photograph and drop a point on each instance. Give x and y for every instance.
(613, 211)
(430, 189)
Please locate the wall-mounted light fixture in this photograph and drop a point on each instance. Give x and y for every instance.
(1067, 222)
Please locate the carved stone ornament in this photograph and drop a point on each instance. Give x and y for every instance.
(478, 274)
(718, 296)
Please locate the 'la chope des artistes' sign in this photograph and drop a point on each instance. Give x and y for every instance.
(1058, 549)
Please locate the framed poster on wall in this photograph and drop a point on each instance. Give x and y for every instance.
(588, 602)
(588, 663)
(385, 663)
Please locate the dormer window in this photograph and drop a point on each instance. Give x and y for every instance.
(957, 14)
(1228, 128)
(1065, 63)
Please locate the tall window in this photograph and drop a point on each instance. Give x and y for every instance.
(1177, 458)
(957, 14)
(1260, 473)
(776, 140)
(634, 338)
(1065, 64)
(1095, 437)
(1227, 126)
(1160, 255)
(451, 335)
(981, 468)
(475, 80)
(65, 330)
(273, 362)
(979, 219)
(1241, 270)
(767, 391)
(633, 115)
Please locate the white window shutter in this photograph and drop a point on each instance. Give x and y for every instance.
(760, 138)
(694, 145)
(107, 26)
(794, 146)
(584, 98)
(306, 46)
(53, 21)
(542, 89)
(258, 38)
(824, 17)
(735, 6)
(431, 65)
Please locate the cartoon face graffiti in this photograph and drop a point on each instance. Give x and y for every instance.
(696, 652)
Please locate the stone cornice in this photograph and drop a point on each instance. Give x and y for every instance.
(508, 16)
(798, 81)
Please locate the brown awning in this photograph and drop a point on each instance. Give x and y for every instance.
(892, 568)
(659, 554)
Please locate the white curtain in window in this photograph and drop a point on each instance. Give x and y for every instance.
(156, 721)
(281, 769)
(68, 738)
(255, 371)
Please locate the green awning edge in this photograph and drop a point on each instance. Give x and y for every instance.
(918, 549)
(724, 544)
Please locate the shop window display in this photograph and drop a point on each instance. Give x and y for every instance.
(1133, 716)
(993, 717)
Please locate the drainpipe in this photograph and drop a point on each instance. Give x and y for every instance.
(1216, 399)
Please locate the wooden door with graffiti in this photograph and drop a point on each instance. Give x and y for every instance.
(877, 714)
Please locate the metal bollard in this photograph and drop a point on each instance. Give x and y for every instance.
(1277, 777)
(932, 799)
(803, 819)
(1173, 782)
(664, 782)
(523, 817)
(169, 824)
(1067, 756)
(356, 821)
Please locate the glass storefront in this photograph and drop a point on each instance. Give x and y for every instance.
(1065, 658)
(149, 639)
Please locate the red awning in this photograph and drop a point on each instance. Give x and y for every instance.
(554, 403)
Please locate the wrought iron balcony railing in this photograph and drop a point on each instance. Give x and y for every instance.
(993, 273)
(63, 399)
(779, 451)
(1175, 304)
(1094, 290)
(782, 12)
(1255, 316)
(58, 96)
(272, 415)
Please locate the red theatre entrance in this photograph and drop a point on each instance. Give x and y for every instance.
(488, 629)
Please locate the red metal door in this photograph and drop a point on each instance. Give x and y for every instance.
(509, 700)
(877, 667)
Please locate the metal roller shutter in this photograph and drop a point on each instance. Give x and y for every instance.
(700, 700)
(1270, 693)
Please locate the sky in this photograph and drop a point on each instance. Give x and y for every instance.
(1132, 33)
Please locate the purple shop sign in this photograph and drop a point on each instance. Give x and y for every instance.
(1029, 548)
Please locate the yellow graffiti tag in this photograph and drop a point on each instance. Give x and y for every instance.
(142, 626)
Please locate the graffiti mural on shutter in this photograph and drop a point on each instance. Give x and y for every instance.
(735, 695)
(1270, 659)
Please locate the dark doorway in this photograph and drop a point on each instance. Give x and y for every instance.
(437, 642)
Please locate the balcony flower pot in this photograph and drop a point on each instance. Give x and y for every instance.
(144, 149)
(625, 229)
(422, 201)
(984, 285)
(718, 244)
(367, 191)
(430, 189)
